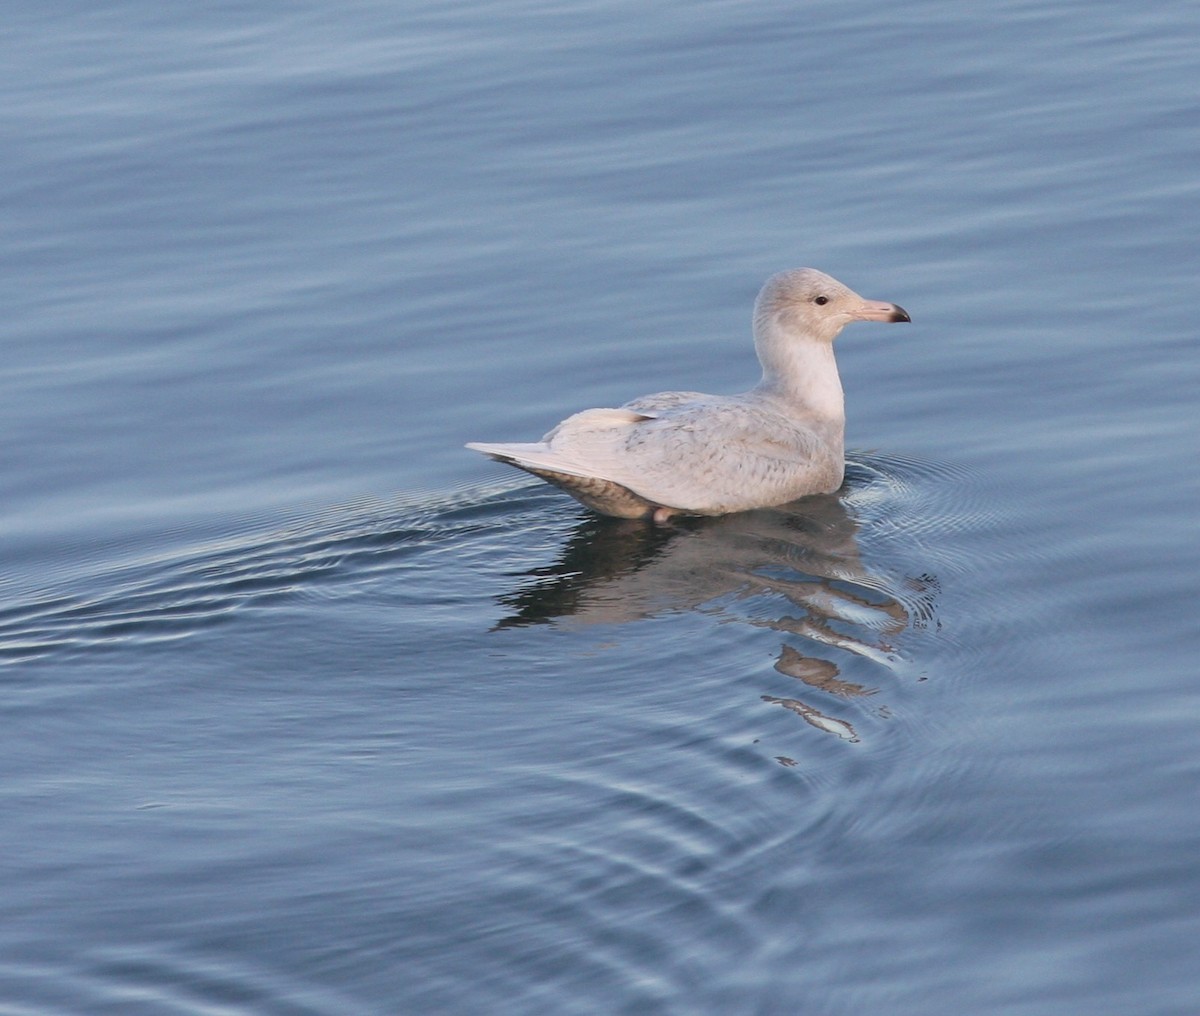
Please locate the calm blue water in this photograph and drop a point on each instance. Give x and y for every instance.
(308, 710)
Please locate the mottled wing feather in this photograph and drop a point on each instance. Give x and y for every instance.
(706, 454)
(659, 402)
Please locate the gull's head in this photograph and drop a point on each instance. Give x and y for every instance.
(806, 304)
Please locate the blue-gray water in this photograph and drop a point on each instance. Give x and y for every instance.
(308, 710)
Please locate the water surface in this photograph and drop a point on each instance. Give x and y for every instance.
(309, 710)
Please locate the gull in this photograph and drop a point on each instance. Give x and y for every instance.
(686, 453)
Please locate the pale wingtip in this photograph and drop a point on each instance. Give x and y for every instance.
(495, 450)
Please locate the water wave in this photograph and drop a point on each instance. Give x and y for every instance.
(853, 581)
(191, 588)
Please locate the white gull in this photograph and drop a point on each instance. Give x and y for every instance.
(692, 454)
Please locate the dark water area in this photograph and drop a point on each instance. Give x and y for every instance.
(309, 710)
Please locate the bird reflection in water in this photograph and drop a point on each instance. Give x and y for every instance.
(805, 555)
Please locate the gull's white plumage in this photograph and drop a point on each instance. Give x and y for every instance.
(689, 453)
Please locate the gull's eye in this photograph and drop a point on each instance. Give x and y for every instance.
(820, 301)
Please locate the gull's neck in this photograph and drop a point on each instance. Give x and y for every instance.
(800, 372)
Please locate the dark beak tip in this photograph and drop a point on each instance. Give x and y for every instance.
(900, 314)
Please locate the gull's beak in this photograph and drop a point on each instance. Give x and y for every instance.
(878, 310)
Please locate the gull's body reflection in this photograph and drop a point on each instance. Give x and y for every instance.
(803, 559)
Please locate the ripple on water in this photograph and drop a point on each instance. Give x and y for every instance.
(851, 585)
(701, 665)
(156, 979)
(194, 587)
